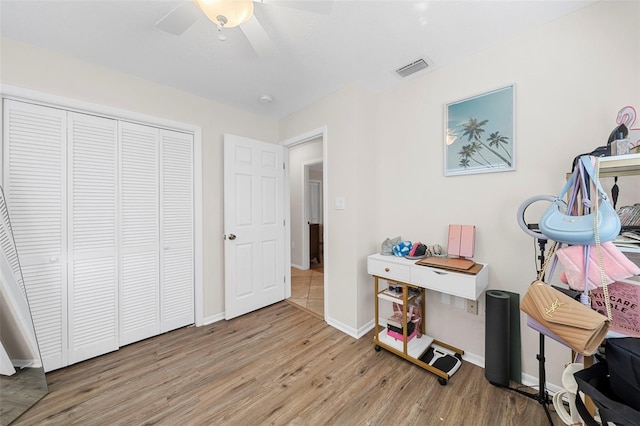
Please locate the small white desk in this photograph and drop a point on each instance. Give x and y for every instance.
(406, 273)
(396, 268)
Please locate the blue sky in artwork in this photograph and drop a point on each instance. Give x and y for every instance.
(497, 108)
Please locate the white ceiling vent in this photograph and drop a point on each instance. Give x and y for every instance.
(412, 68)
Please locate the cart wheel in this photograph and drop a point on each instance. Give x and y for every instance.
(442, 381)
(377, 348)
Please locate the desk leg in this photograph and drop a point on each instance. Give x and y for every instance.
(424, 312)
(376, 319)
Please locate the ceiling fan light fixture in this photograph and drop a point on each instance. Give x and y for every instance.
(234, 12)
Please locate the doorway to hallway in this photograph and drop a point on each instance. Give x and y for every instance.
(308, 224)
(307, 289)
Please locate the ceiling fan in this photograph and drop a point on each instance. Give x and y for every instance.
(232, 13)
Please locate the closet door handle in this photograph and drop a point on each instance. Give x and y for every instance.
(232, 237)
(53, 259)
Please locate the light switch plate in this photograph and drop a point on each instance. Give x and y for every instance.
(340, 203)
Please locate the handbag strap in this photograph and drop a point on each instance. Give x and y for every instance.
(585, 189)
(605, 287)
(572, 179)
(576, 183)
(550, 255)
(584, 297)
(593, 174)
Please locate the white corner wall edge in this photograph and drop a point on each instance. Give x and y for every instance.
(213, 319)
(355, 333)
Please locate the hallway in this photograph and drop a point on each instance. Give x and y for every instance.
(307, 289)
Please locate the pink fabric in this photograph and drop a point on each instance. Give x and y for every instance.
(616, 266)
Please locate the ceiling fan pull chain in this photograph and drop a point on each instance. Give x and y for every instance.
(222, 21)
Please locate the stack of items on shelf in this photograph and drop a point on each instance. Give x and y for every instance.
(629, 242)
(628, 239)
(395, 290)
(629, 216)
(395, 322)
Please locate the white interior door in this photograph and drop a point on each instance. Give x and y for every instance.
(35, 158)
(139, 223)
(92, 234)
(176, 230)
(315, 201)
(254, 225)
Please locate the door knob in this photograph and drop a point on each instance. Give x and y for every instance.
(232, 236)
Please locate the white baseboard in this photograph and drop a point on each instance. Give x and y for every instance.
(527, 379)
(532, 382)
(473, 359)
(366, 328)
(213, 318)
(342, 327)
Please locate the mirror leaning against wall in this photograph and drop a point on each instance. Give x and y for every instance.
(22, 378)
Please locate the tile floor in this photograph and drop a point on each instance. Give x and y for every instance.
(307, 289)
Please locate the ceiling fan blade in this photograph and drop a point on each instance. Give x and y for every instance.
(315, 6)
(179, 19)
(259, 38)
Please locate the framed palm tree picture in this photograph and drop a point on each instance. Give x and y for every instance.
(480, 133)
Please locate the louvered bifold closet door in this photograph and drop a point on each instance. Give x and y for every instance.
(34, 147)
(93, 262)
(176, 230)
(139, 267)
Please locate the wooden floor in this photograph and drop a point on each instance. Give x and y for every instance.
(279, 366)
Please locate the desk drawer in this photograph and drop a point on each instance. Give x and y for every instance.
(390, 269)
(457, 284)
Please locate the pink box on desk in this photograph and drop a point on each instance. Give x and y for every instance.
(467, 240)
(399, 336)
(461, 241)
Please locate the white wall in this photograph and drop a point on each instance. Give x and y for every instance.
(571, 76)
(349, 115)
(32, 68)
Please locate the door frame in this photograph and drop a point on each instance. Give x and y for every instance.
(320, 132)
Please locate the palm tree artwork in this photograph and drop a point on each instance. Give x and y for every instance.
(480, 134)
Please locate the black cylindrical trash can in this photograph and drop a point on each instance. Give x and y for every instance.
(497, 344)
